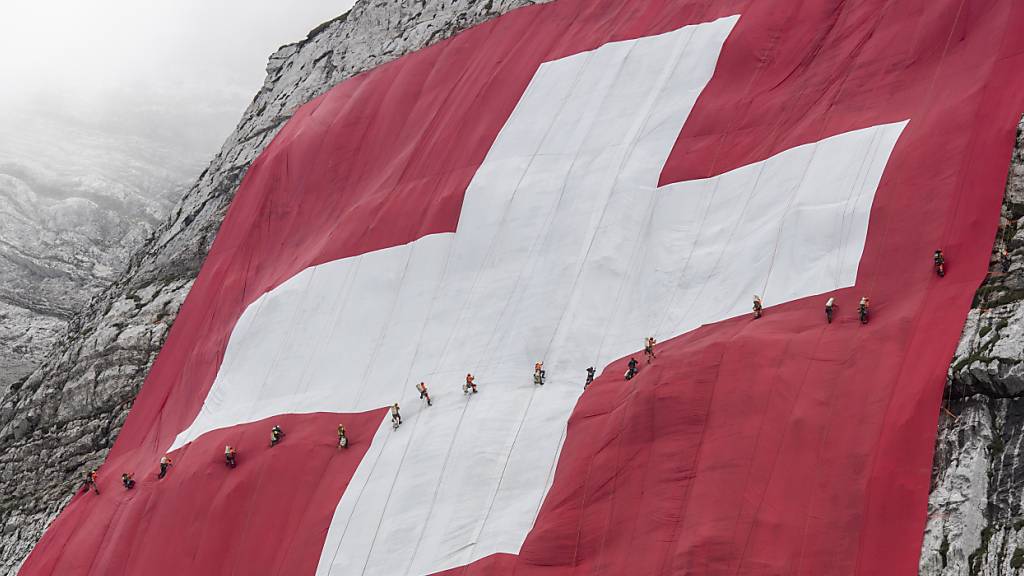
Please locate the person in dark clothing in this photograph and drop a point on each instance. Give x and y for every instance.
(632, 369)
(165, 463)
(862, 309)
(758, 306)
(229, 456)
(590, 377)
(940, 263)
(275, 435)
(91, 478)
(830, 305)
(1004, 261)
(342, 438)
(128, 480)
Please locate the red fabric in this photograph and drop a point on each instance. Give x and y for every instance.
(781, 446)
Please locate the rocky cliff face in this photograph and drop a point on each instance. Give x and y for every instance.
(975, 511)
(64, 416)
(74, 203)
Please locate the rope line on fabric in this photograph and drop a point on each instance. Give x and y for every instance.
(285, 550)
(150, 497)
(461, 316)
(541, 240)
(358, 497)
(821, 449)
(636, 130)
(391, 490)
(639, 244)
(852, 199)
(627, 408)
(340, 295)
(501, 225)
(269, 204)
(666, 74)
(189, 367)
(106, 532)
(812, 358)
(640, 130)
(685, 501)
(762, 64)
(433, 120)
(252, 428)
(775, 131)
(920, 312)
(775, 458)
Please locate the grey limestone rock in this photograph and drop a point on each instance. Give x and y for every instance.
(63, 416)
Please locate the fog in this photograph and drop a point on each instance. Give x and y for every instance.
(179, 72)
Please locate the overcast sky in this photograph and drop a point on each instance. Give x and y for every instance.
(182, 65)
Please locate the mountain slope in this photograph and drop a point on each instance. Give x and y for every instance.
(817, 435)
(66, 415)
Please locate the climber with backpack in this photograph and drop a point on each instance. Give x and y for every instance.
(758, 306)
(590, 377)
(632, 368)
(424, 395)
(91, 479)
(229, 456)
(862, 309)
(538, 374)
(396, 418)
(830, 305)
(342, 438)
(128, 480)
(275, 435)
(165, 462)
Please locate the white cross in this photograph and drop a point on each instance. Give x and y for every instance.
(566, 251)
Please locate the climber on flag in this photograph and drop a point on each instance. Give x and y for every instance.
(342, 439)
(275, 435)
(632, 369)
(90, 481)
(396, 418)
(424, 395)
(165, 462)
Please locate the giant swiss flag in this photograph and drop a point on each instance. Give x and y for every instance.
(556, 185)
